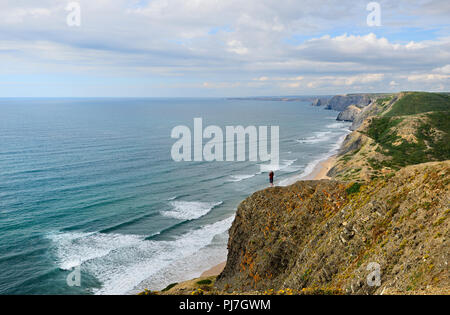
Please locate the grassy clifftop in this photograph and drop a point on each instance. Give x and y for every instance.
(413, 103)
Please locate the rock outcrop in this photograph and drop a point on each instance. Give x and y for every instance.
(320, 101)
(375, 108)
(337, 236)
(341, 102)
(349, 114)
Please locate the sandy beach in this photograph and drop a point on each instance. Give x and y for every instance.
(321, 169)
(319, 172)
(214, 271)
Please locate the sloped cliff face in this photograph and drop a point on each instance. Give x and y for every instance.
(349, 114)
(325, 234)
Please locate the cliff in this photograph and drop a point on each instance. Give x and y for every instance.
(324, 234)
(322, 101)
(342, 102)
(394, 132)
(349, 114)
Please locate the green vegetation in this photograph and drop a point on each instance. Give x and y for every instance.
(380, 101)
(439, 143)
(420, 102)
(433, 141)
(170, 286)
(306, 275)
(204, 282)
(380, 128)
(353, 189)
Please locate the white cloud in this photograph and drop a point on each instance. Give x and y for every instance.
(445, 69)
(264, 78)
(217, 42)
(371, 49)
(18, 15)
(221, 85)
(428, 77)
(291, 85)
(237, 47)
(345, 80)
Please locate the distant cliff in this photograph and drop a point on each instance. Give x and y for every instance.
(341, 102)
(394, 132)
(349, 114)
(351, 106)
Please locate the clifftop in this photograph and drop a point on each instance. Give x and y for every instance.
(323, 234)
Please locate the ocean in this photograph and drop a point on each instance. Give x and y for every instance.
(91, 183)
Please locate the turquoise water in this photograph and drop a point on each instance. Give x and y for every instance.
(91, 182)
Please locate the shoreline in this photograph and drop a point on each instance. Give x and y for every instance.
(319, 172)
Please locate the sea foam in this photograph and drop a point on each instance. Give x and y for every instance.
(189, 210)
(238, 178)
(120, 262)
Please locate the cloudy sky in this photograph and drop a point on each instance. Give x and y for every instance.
(222, 47)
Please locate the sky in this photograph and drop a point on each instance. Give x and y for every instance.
(221, 48)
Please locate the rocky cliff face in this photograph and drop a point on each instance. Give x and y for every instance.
(349, 114)
(375, 108)
(354, 107)
(320, 101)
(326, 234)
(341, 102)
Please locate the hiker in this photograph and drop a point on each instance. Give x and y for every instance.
(271, 178)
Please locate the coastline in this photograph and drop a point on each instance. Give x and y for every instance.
(319, 172)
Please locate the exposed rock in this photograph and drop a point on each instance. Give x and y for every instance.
(375, 108)
(314, 234)
(318, 102)
(349, 114)
(321, 101)
(341, 102)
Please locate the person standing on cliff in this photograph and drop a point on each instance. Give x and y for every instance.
(271, 174)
